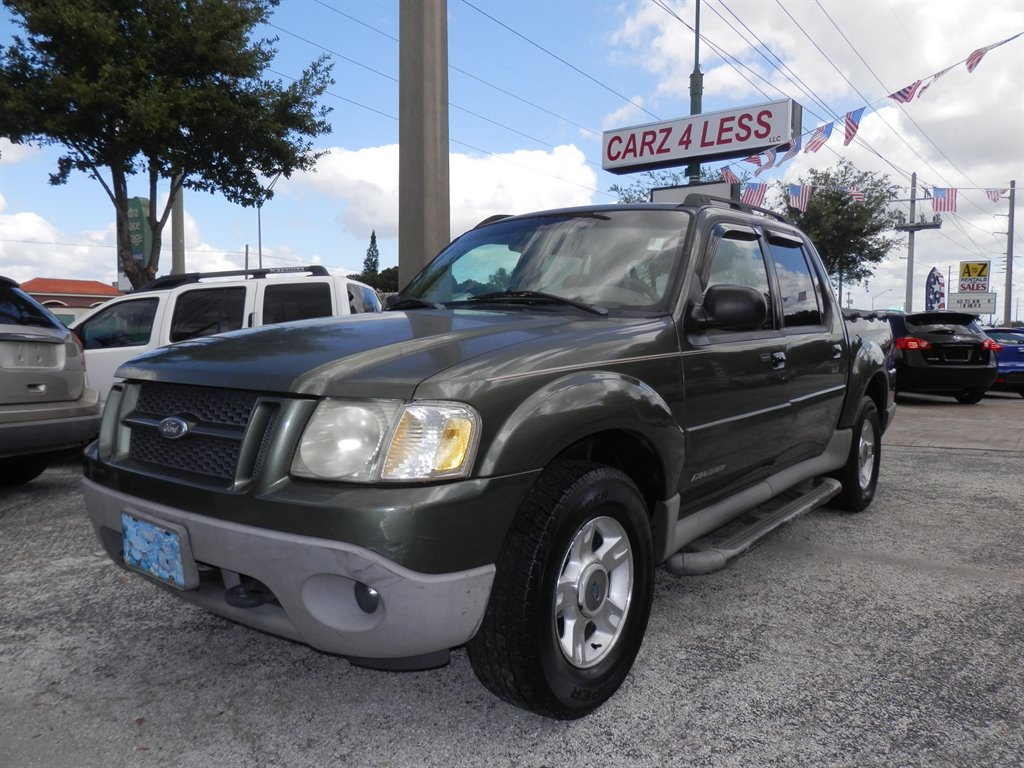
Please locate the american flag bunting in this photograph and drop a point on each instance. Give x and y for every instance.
(995, 195)
(769, 161)
(819, 137)
(729, 176)
(753, 193)
(931, 81)
(799, 196)
(852, 124)
(943, 199)
(903, 95)
(791, 151)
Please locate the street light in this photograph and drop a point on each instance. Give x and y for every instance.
(887, 290)
(259, 221)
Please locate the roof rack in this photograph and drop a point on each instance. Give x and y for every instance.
(186, 278)
(700, 198)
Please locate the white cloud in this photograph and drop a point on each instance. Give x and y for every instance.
(15, 153)
(366, 181)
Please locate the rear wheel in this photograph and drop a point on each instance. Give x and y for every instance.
(859, 476)
(970, 396)
(21, 469)
(571, 595)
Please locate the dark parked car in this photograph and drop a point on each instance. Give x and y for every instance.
(1010, 377)
(943, 353)
(45, 406)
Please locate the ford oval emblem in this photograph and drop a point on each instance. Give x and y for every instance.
(173, 427)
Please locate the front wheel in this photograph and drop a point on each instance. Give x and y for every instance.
(859, 476)
(572, 593)
(970, 396)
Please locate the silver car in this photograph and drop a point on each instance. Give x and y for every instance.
(45, 407)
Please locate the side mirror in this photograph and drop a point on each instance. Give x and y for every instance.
(730, 307)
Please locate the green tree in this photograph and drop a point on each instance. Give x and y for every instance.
(851, 235)
(173, 90)
(387, 280)
(371, 264)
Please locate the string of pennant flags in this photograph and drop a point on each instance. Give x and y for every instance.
(942, 199)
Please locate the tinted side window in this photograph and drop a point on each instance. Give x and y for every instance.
(799, 288)
(737, 260)
(296, 301)
(206, 311)
(127, 324)
(362, 299)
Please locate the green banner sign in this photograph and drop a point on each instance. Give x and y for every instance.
(139, 233)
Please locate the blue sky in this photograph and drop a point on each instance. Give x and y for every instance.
(531, 87)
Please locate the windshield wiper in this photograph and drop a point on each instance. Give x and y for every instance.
(411, 302)
(540, 296)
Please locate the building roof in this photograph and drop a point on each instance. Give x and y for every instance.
(54, 286)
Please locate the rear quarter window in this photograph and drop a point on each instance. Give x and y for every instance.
(296, 301)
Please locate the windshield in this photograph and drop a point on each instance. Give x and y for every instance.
(615, 259)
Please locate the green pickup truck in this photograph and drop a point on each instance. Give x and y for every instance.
(557, 404)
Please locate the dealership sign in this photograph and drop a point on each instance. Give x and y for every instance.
(974, 276)
(977, 303)
(709, 136)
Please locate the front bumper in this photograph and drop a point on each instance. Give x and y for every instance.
(314, 582)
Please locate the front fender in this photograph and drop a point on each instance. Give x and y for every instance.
(869, 375)
(573, 407)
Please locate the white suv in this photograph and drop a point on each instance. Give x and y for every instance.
(178, 307)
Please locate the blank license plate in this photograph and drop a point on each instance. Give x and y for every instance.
(154, 550)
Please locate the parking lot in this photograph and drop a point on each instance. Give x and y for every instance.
(888, 638)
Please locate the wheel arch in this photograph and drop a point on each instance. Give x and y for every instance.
(597, 416)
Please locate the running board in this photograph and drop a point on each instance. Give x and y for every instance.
(715, 550)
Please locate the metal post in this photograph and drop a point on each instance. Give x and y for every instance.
(1008, 292)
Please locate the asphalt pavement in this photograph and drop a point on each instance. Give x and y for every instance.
(894, 637)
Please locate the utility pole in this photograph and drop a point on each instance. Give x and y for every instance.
(178, 228)
(913, 226)
(424, 217)
(696, 90)
(1008, 291)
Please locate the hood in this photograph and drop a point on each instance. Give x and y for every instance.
(374, 355)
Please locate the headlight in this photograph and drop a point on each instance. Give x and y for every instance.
(383, 440)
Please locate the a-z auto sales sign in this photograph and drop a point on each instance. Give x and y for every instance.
(710, 136)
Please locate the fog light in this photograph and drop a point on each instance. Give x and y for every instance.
(367, 597)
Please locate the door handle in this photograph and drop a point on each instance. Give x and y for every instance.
(837, 351)
(778, 360)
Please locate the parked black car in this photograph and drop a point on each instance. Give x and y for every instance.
(943, 353)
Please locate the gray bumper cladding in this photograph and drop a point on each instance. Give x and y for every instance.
(318, 589)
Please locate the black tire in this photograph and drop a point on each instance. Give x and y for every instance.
(582, 535)
(859, 476)
(21, 469)
(970, 396)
